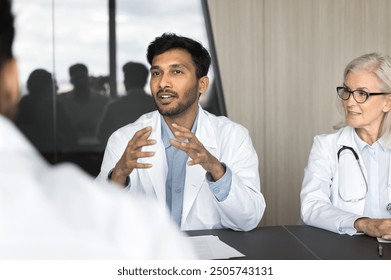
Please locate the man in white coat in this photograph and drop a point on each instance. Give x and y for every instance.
(59, 212)
(204, 168)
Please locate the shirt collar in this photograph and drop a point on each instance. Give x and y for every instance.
(361, 144)
(167, 133)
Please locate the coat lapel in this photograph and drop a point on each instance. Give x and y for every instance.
(158, 173)
(195, 175)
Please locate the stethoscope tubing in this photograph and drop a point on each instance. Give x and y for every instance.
(361, 170)
(388, 207)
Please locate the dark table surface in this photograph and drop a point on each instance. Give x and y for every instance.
(299, 242)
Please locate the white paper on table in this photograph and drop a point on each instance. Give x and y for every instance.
(381, 240)
(210, 247)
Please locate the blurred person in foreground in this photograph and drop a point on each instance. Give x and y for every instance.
(204, 168)
(346, 187)
(59, 212)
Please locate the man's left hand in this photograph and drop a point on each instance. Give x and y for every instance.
(197, 152)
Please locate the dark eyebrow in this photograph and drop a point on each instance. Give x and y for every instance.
(178, 65)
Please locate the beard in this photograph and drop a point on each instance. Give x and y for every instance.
(189, 98)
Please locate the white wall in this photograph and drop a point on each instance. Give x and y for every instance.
(280, 61)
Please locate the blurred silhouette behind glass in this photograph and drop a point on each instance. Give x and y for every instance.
(87, 152)
(45, 125)
(128, 108)
(84, 107)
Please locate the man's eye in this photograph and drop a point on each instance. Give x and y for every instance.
(177, 71)
(155, 73)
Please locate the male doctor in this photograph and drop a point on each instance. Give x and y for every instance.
(203, 167)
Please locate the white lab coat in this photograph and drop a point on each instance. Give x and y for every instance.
(332, 190)
(59, 212)
(228, 142)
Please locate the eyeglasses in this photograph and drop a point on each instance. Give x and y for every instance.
(359, 95)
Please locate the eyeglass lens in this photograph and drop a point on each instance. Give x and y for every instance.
(359, 95)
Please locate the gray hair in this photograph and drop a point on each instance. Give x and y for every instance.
(380, 66)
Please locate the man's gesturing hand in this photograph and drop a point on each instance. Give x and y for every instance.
(132, 153)
(197, 152)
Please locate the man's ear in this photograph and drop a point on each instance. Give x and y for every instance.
(203, 84)
(9, 89)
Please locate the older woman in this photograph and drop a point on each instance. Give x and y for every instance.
(347, 182)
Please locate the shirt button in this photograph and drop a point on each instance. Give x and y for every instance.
(216, 190)
(178, 190)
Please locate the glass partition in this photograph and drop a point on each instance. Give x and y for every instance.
(78, 56)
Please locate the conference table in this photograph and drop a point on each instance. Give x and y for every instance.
(299, 242)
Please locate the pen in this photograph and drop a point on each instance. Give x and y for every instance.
(380, 250)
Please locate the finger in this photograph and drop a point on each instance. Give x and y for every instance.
(134, 146)
(138, 144)
(196, 157)
(195, 151)
(180, 128)
(139, 154)
(140, 139)
(187, 145)
(139, 165)
(144, 132)
(183, 146)
(195, 160)
(185, 135)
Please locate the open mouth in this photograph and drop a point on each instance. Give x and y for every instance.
(166, 97)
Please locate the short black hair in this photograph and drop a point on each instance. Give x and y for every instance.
(169, 41)
(7, 31)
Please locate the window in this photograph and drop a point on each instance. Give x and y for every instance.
(71, 60)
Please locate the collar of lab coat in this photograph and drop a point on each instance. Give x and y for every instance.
(346, 138)
(205, 132)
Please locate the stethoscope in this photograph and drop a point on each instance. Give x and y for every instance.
(388, 207)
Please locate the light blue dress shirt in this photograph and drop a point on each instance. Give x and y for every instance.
(175, 182)
(376, 159)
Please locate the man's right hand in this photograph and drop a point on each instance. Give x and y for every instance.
(132, 153)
